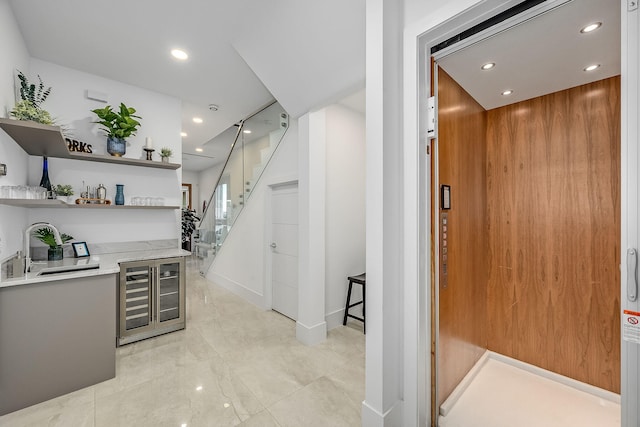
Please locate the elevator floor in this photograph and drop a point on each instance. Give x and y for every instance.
(502, 395)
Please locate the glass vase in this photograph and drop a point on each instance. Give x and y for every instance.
(119, 194)
(55, 254)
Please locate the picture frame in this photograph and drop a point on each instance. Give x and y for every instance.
(80, 249)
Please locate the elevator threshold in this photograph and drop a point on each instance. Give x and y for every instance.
(503, 392)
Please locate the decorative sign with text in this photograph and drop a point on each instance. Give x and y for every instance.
(78, 146)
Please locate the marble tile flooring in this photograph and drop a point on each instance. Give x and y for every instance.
(234, 365)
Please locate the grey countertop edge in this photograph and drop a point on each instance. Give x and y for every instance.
(109, 264)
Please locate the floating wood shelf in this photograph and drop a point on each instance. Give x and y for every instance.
(37, 139)
(58, 204)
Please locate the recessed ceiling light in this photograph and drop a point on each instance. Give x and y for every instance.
(197, 120)
(591, 27)
(183, 134)
(199, 150)
(592, 67)
(507, 92)
(247, 131)
(179, 54)
(488, 66)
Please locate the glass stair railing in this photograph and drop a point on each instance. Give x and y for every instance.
(256, 140)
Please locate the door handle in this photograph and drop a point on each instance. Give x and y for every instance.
(632, 274)
(273, 245)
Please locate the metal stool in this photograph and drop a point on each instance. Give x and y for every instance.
(361, 280)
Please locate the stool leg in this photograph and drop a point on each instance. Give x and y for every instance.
(346, 306)
(364, 307)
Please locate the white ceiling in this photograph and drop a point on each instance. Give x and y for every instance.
(243, 53)
(542, 55)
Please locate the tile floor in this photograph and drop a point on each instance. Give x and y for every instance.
(505, 396)
(234, 365)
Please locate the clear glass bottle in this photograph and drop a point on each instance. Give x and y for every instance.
(101, 193)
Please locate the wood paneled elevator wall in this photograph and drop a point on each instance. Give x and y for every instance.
(553, 167)
(462, 126)
(533, 236)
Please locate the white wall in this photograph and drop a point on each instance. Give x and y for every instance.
(240, 264)
(70, 107)
(344, 138)
(344, 208)
(207, 180)
(13, 55)
(161, 117)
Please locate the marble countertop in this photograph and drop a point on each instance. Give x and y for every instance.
(108, 263)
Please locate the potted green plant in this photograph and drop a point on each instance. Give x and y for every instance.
(32, 96)
(64, 193)
(118, 125)
(189, 220)
(46, 236)
(165, 153)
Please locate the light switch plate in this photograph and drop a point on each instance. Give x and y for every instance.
(3, 169)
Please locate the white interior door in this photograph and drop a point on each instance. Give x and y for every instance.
(284, 250)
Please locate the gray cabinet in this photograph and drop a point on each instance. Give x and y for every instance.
(55, 338)
(151, 298)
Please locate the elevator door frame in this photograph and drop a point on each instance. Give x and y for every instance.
(630, 180)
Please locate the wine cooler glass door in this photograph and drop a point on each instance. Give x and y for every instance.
(170, 298)
(136, 298)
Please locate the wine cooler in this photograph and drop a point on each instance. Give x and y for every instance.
(152, 300)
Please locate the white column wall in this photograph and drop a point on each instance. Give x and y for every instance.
(14, 55)
(384, 363)
(345, 208)
(311, 327)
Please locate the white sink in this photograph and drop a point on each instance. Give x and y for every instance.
(67, 268)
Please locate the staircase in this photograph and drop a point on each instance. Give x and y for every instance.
(256, 141)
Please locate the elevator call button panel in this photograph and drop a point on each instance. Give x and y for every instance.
(444, 256)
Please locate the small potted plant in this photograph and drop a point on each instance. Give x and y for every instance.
(64, 193)
(46, 236)
(32, 96)
(118, 125)
(165, 153)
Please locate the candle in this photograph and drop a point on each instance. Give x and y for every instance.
(149, 144)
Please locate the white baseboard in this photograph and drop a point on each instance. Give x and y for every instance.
(311, 335)
(334, 319)
(243, 292)
(448, 404)
(570, 382)
(373, 418)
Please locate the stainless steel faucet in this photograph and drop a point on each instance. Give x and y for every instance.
(27, 235)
